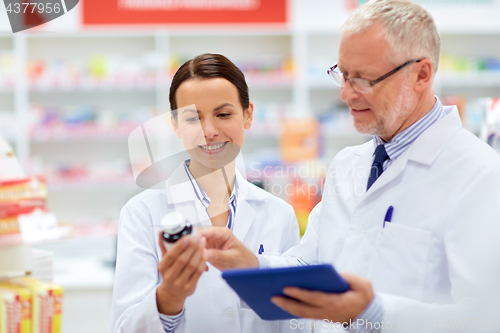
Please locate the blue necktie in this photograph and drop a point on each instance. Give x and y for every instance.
(377, 166)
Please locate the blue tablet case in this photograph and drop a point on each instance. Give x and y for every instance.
(257, 286)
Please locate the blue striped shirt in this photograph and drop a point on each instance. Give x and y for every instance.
(374, 312)
(170, 322)
(205, 200)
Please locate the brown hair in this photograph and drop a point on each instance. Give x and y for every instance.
(207, 66)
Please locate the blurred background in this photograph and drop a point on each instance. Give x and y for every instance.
(73, 89)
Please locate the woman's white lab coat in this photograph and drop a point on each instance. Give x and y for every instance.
(261, 218)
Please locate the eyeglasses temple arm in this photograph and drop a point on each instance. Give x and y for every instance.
(383, 77)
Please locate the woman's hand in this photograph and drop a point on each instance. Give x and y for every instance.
(180, 267)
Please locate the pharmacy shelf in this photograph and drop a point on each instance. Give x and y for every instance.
(182, 31)
(90, 185)
(92, 86)
(469, 80)
(39, 237)
(84, 134)
(83, 274)
(471, 49)
(302, 84)
(323, 83)
(65, 135)
(447, 81)
(148, 84)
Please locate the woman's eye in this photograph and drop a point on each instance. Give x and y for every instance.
(193, 119)
(224, 115)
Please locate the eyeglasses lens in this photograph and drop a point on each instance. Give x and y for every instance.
(361, 85)
(337, 77)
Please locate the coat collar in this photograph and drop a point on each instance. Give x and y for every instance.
(429, 144)
(424, 150)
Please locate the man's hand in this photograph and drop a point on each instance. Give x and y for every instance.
(225, 251)
(180, 267)
(334, 307)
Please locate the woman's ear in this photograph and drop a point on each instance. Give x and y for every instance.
(176, 127)
(248, 116)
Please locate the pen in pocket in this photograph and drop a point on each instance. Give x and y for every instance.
(388, 215)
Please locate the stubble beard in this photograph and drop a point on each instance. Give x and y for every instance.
(387, 123)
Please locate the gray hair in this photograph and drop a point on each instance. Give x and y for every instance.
(410, 30)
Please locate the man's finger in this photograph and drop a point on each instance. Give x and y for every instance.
(220, 259)
(295, 307)
(311, 297)
(216, 237)
(358, 283)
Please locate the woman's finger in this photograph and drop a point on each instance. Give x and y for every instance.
(175, 264)
(162, 246)
(192, 265)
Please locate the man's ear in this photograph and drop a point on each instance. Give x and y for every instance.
(248, 116)
(175, 126)
(424, 73)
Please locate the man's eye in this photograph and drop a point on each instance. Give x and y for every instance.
(193, 119)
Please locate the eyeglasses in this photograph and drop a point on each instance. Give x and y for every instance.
(359, 84)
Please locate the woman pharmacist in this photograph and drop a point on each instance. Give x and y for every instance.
(177, 291)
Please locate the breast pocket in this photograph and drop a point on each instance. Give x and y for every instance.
(399, 261)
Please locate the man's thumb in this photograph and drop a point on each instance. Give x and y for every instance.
(354, 281)
(218, 258)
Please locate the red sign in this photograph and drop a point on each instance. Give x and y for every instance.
(184, 11)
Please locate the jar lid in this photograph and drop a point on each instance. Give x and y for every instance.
(173, 222)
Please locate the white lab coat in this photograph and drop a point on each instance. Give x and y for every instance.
(442, 244)
(261, 218)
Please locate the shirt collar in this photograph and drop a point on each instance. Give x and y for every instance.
(202, 196)
(402, 141)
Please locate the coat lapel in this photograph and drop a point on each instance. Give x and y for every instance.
(394, 170)
(361, 171)
(424, 150)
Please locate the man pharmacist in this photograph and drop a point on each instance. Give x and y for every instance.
(413, 215)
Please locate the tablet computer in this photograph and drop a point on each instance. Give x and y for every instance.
(257, 286)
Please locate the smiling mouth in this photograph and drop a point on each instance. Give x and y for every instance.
(213, 146)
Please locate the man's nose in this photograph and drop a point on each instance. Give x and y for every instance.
(347, 92)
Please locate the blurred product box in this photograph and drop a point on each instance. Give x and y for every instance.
(46, 303)
(25, 191)
(299, 140)
(15, 309)
(20, 197)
